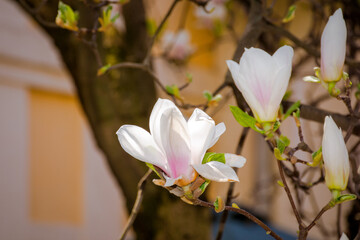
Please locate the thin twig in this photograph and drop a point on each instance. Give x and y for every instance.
(251, 217)
(137, 204)
(152, 41)
(288, 193)
(230, 192)
(142, 67)
(322, 211)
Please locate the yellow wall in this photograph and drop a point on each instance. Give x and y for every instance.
(56, 159)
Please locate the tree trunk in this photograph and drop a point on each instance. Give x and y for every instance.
(124, 96)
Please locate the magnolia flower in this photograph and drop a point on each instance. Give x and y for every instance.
(177, 146)
(177, 45)
(335, 155)
(333, 48)
(263, 79)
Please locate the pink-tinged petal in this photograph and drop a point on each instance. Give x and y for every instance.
(139, 143)
(246, 89)
(154, 123)
(333, 47)
(202, 130)
(234, 160)
(335, 155)
(216, 171)
(175, 141)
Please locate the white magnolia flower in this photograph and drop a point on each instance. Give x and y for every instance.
(263, 79)
(177, 46)
(333, 48)
(177, 146)
(335, 155)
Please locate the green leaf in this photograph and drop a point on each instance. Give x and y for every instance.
(345, 198)
(189, 77)
(106, 21)
(316, 158)
(287, 95)
(204, 185)
(278, 154)
(211, 156)
(245, 119)
(291, 109)
(280, 183)
(290, 14)
(66, 17)
(154, 169)
(219, 204)
(208, 95)
(276, 126)
(173, 90)
(151, 27)
(282, 143)
(103, 69)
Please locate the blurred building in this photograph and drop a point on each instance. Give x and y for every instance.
(54, 182)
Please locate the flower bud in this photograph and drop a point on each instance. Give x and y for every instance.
(333, 48)
(335, 156)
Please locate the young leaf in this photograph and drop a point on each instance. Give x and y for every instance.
(173, 90)
(151, 27)
(280, 183)
(345, 198)
(103, 69)
(106, 21)
(219, 204)
(291, 109)
(290, 14)
(208, 95)
(316, 157)
(245, 119)
(66, 17)
(189, 78)
(278, 154)
(211, 156)
(204, 185)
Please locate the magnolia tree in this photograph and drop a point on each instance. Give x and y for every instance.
(108, 47)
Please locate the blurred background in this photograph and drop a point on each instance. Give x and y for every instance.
(55, 182)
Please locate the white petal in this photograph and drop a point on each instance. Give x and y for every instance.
(216, 171)
(245, 88)
(333, 47)
(139, 143)
(283, 56)
(202, 131)
(175, 141)
(234, 160)
(283, 59)
(169, 181)
(219, 130)
(159, 108)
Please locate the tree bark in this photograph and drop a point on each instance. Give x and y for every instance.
(124, 96)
